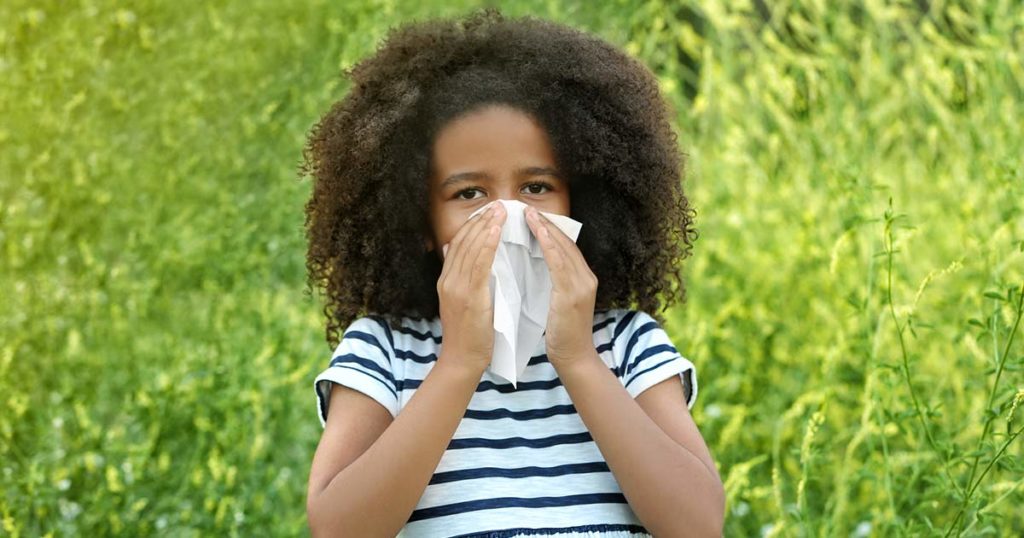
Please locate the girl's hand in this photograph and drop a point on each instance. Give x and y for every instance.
(466, 307)
(570, 326)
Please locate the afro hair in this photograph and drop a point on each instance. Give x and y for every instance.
(370, 158)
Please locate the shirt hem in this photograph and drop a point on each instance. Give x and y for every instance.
(597, 530)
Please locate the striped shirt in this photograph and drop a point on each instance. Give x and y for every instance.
(521, 462)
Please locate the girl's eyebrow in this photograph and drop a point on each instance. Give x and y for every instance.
(528, 171)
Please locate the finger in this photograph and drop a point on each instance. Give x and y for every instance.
(447, 247)
(496, 217)
(460, 252)
(485, 258)
(553, 255)
(565, 245)
(549, 231)
(451, 258)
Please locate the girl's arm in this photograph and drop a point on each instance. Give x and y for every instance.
(375, 494)
(657, 456)
(665, 471)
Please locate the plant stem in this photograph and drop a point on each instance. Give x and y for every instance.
(972, 485)
(906, 361)
(995, 386)
(988, 467)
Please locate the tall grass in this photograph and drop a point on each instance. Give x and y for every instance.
(855, 295)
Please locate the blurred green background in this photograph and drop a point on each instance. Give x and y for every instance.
(853, 296)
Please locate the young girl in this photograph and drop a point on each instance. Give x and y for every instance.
(420, 438)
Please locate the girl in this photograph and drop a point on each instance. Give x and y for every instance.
(419, 437)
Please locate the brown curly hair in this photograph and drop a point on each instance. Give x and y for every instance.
(370, 155)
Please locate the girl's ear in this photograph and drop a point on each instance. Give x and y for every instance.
(428, 244)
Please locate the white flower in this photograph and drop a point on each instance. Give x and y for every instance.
(69, 510)
(126, 468)
(713, 410)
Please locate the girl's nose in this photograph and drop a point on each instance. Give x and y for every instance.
(497, 206)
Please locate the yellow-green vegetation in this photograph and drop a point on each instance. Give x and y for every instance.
(854, 296)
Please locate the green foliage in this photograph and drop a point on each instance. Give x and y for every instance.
(854, 296)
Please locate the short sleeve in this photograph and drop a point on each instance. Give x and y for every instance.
(362, 361)
(647, 356)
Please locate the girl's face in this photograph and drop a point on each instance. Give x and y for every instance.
(493, 153)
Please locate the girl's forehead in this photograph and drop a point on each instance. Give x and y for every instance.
(492, 138)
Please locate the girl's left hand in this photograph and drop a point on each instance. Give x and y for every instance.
(570, 325)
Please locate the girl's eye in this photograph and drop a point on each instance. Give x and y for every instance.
(539, 184)
(543, 184)
(460, 193)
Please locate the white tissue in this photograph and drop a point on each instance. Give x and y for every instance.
(520, 284)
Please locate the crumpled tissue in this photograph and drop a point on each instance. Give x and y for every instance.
(520, 285)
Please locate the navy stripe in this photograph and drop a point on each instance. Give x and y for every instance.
(546, 531)
(510, 442)
(386, 328)
(432, 357)
(419, 335)
(506, 502)
(600, 325)
(623, 323)
(369, 339)
(365, 363)
(646, 327)
(367, 374)
(503, 388)
(427, 335)
(528, 414)
(653, 350)
(519, 472)
(538, 359)
(406, 354)
(323, 407)
(641, 372)
(507, 388)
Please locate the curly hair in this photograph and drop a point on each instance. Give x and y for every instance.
(370, 156)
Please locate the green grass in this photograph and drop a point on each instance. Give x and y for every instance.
(853, 296)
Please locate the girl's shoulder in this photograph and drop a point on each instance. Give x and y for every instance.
(617, 321)
(395, 325)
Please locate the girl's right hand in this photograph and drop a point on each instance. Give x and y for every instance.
(463, 290)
